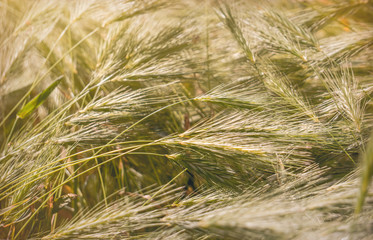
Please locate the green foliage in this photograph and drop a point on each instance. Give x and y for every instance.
(38, 100)
(186, 120)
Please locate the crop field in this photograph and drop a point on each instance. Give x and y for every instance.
(186, 119)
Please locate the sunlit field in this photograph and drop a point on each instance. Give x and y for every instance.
(155, 119)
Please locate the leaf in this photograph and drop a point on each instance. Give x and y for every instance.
(367, 164)
(38, 100)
